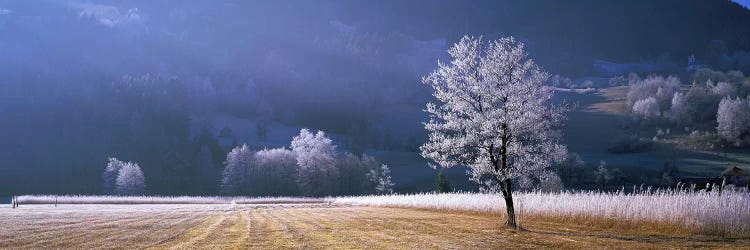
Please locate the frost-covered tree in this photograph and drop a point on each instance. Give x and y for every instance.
(646, 108)
(618, 81)
(679, 112)
(550, 182)
(354, 172)
(274, 172)
(110, 174)
(702, 103)
(442, 183)
(560, 81)
(382, 178)
(493, 114)
(234, 178)
(733, 118)
(130, 180)
(724, 89)
(602, 174)
(571, 169)
(658, 87)
(316, 174)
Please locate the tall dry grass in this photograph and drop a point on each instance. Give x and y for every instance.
(715, 213)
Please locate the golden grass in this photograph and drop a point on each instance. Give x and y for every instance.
(325, 227)
(615, 101)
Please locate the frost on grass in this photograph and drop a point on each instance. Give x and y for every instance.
(727, 211)
(126, 200)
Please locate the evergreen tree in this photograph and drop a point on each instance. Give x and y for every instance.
(442, 184)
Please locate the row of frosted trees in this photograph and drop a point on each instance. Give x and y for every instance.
(310, 167)
(123, 178)
(703, 104)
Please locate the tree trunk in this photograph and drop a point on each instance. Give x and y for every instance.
(507, 190)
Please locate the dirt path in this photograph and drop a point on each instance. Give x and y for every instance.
(312, 226)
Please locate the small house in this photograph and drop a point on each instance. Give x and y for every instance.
(735, 176)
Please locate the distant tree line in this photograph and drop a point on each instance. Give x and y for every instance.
(310, 167)
(714, 101)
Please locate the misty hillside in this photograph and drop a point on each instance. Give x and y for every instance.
(174, 85)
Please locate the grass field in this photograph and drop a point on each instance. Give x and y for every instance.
(317, 226)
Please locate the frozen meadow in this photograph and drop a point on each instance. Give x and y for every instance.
(125, 200)
(727, 211)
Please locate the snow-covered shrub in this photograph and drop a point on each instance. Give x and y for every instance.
(130, 180)
(646, 108)
(733, 118)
